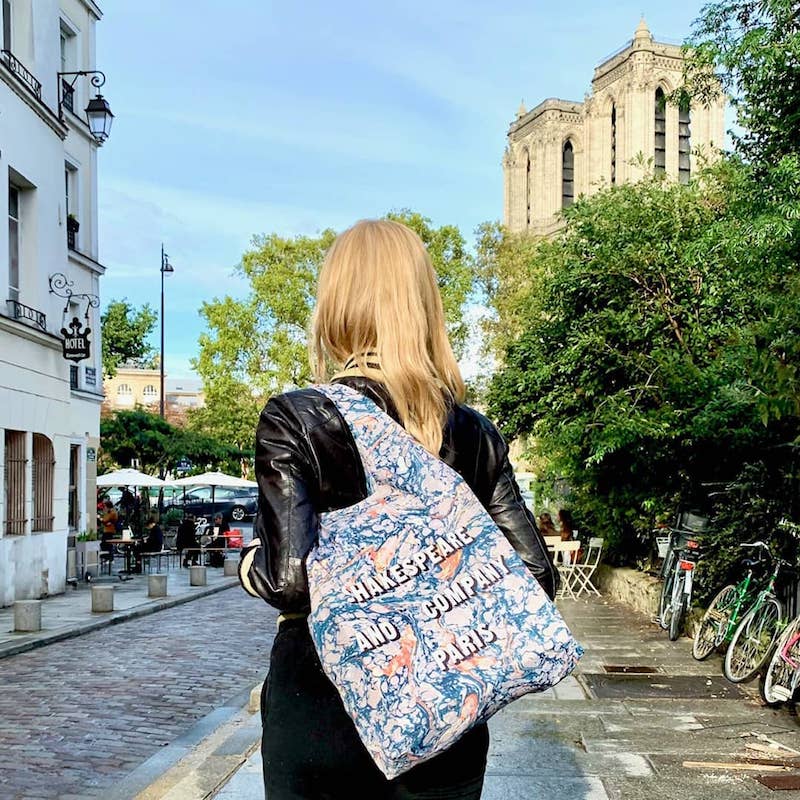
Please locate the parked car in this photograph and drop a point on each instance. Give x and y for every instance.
(234, 504)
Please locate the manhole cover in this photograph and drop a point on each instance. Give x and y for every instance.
(627, 669)
(698, 687)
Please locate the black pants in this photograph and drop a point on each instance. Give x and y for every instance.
(311, 749)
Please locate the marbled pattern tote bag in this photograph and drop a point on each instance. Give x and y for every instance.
(424, 617)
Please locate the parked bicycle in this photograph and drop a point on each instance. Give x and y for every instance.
(680, 552)
(725, 610)
(679, 585)
(751, 634)
(779, 682)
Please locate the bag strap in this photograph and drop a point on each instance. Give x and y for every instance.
(370, 425)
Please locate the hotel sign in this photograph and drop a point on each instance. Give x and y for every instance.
(75, 344)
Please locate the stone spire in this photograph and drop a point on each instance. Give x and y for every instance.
(642, 34)
(521, 111)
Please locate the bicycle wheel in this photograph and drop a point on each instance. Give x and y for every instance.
(752, 641)
(778, 680)
(711, 632)
(678, 608)
(665, 603)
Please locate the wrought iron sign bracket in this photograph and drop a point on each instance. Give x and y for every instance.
(61, 286)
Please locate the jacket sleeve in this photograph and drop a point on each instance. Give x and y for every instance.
(273, 565)
(512, 516)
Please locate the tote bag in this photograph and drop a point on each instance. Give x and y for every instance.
(424, 617)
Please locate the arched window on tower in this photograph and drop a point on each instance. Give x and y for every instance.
(567, 175)
(528, 185)
(684, 142)
(613, 144)
(660, 144)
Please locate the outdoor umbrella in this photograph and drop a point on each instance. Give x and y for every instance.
(129, 477)
(213, 479)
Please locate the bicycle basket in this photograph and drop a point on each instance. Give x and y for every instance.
(662, 543)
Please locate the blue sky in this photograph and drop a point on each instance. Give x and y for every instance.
(291, 117)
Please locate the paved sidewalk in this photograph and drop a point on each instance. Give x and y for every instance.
(70, 614)
(599, 736)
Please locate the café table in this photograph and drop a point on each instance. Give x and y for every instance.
(127, 546)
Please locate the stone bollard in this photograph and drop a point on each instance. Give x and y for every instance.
(28, 615)
(197, 576)
(102, 599)
(156, 585)
(230, 567)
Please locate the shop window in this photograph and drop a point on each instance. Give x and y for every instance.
(14, 489)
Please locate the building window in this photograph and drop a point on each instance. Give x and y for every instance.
(660, 144)
(7, 25)
(150, 394)
(73, 500)
(15, 464)
(528, 186)
(684, 142)
(123, 390)
(69, 60)
(13, 242)
(73, 377)
(567, 175)
(44, 463)
(71, 204)
(613, 144)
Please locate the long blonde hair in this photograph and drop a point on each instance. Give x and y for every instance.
(378, 306)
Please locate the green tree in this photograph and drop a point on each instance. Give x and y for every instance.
(124, 335)
(751, 48)
(157, 446)
(256, 346)
(657, 352)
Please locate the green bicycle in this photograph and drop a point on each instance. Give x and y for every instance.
(751, 634)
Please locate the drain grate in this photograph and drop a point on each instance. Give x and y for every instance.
(688, 687)
(627, 669)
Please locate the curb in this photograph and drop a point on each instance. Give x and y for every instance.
(143, 610)
(207, 776)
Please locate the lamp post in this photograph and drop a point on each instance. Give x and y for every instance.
(166, 269)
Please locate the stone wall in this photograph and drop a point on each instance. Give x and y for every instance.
(639, 591)
(629, 586)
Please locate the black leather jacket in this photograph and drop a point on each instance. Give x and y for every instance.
(307, 462)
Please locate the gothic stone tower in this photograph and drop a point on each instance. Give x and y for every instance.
(562, 149)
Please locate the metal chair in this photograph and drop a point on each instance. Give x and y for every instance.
(584, 570)
(564, 557)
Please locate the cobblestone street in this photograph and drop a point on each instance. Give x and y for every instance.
(78, 715)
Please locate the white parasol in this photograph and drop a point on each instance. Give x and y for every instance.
(129, 477)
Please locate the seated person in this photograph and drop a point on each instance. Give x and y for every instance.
(187, 540)
(546, 526)
(109, 521)
(567, 525)
(152, 542)
(216, 547)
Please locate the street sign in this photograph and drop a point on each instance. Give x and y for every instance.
(91, 454)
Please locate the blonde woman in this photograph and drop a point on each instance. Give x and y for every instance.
(379, 328)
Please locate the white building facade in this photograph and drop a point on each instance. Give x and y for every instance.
(49, 406)
(622, 129)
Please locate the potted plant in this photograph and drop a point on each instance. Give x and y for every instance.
(87, 542)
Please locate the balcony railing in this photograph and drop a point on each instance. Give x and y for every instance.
(14, 65)
(71, 239)
(26, 314)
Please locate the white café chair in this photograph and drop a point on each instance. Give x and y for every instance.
(564, 556)
(583, 571)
